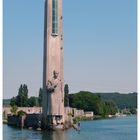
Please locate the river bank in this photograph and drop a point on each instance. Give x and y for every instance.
(99, 117)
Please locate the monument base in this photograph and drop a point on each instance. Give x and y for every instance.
(53, 122)
(36, 122)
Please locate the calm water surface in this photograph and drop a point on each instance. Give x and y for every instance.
(123, 128)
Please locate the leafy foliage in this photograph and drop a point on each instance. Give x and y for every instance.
(13, 101)
(14, 110)
(21, 113)
(22, 97)
(22, 100)
(32, 101)
(91, 102)
(110, 108)
(122, 100)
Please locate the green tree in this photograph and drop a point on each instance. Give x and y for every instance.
(66, 97)
(92, 102)
(122, 100)
(32, 101)
(87, 101)
(21, 113)
(14, 110)
(110, 108)
(22, 97)
(13, 101)
(40, 96)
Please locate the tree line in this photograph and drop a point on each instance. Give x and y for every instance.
(91, 102)
(122, 100)
(22, 99)
(85, 100)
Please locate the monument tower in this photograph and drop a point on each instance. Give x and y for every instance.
(53, 89)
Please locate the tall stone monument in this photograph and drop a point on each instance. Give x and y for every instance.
(53, 89)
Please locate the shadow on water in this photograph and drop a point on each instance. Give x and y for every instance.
(53, 135)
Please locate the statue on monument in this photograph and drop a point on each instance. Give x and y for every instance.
(53, 84)
(54, 91)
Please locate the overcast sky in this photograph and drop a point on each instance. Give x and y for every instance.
(99, 45)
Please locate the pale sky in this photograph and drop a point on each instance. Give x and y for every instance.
(99, 45)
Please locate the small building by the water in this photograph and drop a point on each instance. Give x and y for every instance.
(88, 114)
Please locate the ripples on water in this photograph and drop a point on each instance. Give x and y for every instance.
(110, 129)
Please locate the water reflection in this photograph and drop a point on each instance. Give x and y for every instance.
(55, 135)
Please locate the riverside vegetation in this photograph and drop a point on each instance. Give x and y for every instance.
(102, 104)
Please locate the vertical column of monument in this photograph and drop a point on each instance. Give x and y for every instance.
(57, 53)
(53, 89)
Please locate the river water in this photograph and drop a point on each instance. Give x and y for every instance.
(121, 128)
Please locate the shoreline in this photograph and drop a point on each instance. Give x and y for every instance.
(96, 117)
